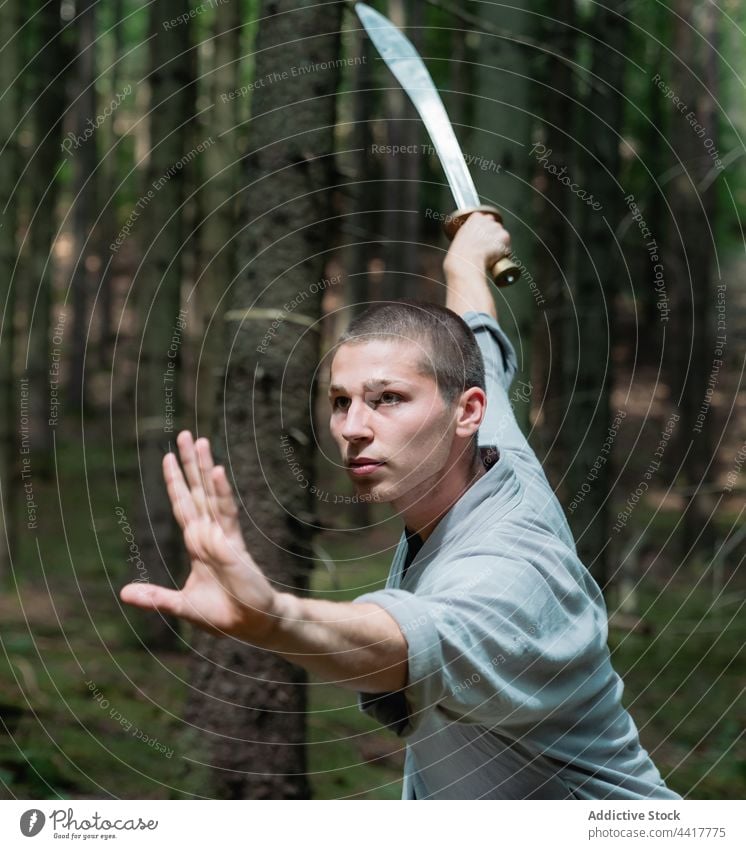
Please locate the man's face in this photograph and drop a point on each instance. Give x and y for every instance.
(393, 428)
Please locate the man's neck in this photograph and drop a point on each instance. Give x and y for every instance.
(423, 515)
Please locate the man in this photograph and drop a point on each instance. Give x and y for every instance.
(487, 650)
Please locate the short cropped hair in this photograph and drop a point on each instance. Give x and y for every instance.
(451, 357)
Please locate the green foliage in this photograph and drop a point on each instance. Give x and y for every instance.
(680, 687)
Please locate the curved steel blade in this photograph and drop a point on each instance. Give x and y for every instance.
(405, 63)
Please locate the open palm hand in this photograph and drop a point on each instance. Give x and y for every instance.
(226, 593)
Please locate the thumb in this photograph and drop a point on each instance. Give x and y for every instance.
(152, 597)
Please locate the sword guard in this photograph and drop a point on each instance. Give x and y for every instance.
(504, 272)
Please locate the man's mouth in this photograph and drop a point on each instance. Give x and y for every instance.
(364, 465)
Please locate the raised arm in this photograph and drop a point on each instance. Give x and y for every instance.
(479, 243)
(357, 646)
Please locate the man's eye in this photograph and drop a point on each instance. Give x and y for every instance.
(340, 403)
(389, 398)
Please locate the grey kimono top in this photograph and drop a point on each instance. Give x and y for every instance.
(511, 693)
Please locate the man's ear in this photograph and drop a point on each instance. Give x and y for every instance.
(470, 411)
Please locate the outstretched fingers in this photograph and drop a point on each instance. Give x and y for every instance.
(189, 452)
(205, 465)
(226, 508)
(179, 493)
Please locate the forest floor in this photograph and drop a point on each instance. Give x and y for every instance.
(63, 627)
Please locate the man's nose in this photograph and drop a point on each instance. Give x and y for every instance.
(356, 424)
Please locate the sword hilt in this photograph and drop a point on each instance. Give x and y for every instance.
(504, 272)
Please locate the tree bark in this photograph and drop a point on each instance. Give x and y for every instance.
(218, 205)
(657, 158)
(84, 163)
(43, 368)
(9, 170)
(591, 328)
(402, 171)
(107, 201)
(366, 195)
(252, 704)
(554, 105)
(501, 170)
(696, 357)
(173, 156)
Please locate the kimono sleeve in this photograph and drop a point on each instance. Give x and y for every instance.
(505, 652)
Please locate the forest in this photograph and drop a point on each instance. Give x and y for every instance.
(197, 198)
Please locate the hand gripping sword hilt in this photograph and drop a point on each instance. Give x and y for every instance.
(504, 272)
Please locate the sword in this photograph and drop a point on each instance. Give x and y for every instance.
(405, 63)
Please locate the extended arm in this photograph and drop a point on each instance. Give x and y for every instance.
(358, 646)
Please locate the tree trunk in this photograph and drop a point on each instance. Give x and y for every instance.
(84, 163)
(554, 105)
(694, 369)
(173, 156)
(402, 171)
(462, 83)
(657, 159)
(252, 703)
(107, 201)
(9, 169)
(363, 221)
(590, 329)
(218, 202)
(42, 365)
(501, 169)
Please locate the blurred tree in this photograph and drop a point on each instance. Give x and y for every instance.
(403, 171)
(461, 82)
(47, 98)
(655, 151)
(693, 364)
(591, 326)
(110, 61)
(502, 170)
(86, 263)
(217, 237)
(10, 39)
(172, 149)
(251, 705)
(364, 218)
(555, 108)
